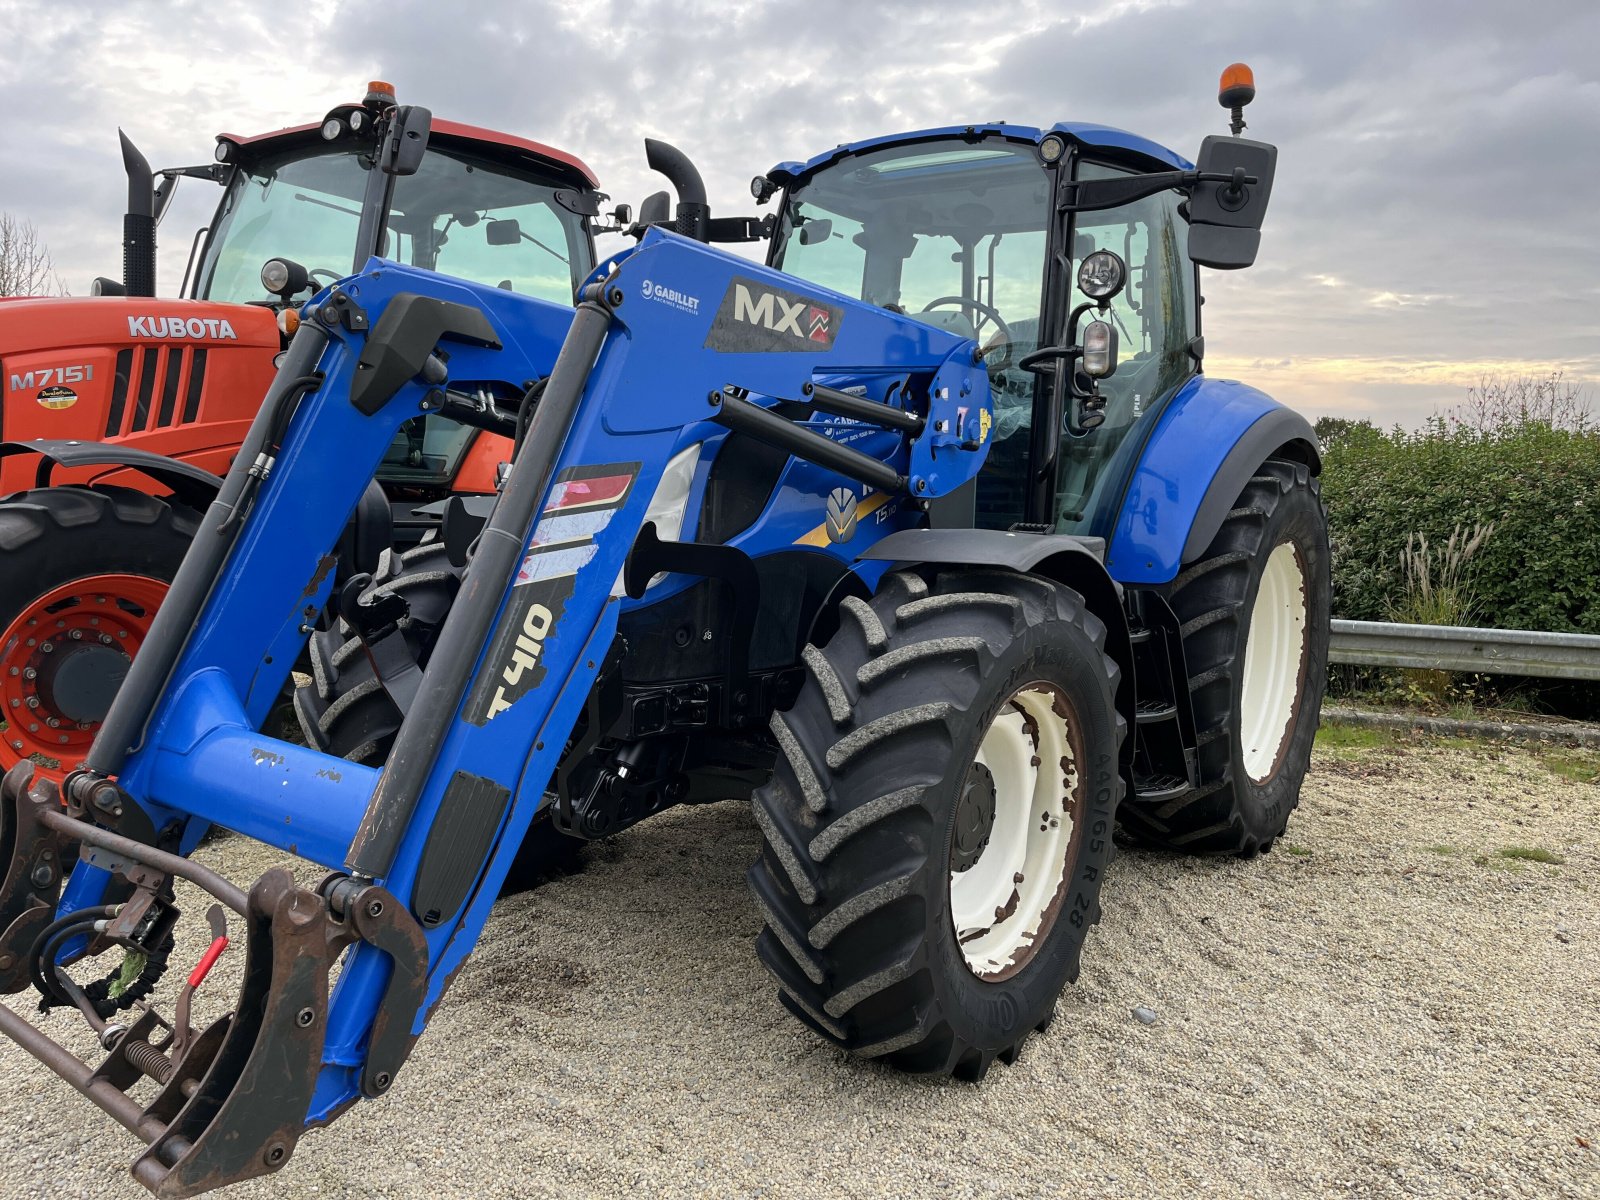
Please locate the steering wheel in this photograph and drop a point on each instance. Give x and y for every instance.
(997, 350)
(333, 276)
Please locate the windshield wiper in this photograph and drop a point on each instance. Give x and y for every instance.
(349, 212)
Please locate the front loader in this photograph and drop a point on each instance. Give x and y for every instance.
(957, 603)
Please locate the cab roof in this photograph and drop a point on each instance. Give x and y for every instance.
(509, 145)
(1097, 137)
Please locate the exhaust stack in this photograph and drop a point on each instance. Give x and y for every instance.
(138, 223)
(694, 215)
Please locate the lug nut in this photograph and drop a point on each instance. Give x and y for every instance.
(33, 702)
(29, 673)
(76, 635)
(47, 647)
(105, 639)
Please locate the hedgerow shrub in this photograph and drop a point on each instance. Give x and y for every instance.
(1538, 486)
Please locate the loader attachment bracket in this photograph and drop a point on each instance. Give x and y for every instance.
(233, 1098)
(31, 855)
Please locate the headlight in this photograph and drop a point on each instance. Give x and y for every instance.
(1101, 275)
(670, 504)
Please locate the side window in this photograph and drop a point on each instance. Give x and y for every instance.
(1155, 320)
(1154, 315)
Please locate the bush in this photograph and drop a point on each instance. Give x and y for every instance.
(1538, 485)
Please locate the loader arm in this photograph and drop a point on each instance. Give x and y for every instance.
(677, 344)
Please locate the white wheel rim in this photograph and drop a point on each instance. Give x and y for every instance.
(1274, 661)
(1003, 904)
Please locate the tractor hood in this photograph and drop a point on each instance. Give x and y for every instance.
(86, 367)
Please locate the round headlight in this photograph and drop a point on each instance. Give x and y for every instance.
(275, 276)
(1052, 147)
(332, 128)
(357, 120)
(1101, 275)
(223, 152)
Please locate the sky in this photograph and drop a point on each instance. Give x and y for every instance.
(1432, 221)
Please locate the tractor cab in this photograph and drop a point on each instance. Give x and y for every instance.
(1064, 253)
(480, 205)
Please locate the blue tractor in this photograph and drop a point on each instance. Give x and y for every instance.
(929, 532)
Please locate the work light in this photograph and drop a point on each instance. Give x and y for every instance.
(1101, 275)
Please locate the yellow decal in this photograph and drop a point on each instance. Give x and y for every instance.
(868, 504)
(983, 425)
(57, 397)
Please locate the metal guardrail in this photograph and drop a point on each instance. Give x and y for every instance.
(1447, 648)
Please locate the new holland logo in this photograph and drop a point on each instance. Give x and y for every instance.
(841, 515)
(178, 327)
(754, 317)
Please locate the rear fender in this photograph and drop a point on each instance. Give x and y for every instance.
(189, 484)
(1068, 559)
(1205, 447)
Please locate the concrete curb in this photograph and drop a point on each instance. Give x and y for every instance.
(1566, 734)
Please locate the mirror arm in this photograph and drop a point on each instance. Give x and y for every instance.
(1093, 195)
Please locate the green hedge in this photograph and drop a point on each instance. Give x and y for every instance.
(1539, 486)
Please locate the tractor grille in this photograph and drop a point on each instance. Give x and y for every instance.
(156, 387)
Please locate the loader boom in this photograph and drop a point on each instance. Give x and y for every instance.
(678, 343)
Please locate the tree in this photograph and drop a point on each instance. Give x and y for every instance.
(26, 268)
(1338, 432)
(1501, 402)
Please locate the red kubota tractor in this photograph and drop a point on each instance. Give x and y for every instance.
(119, 411)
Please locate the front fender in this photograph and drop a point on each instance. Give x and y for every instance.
(1066, 558)
(191, 485)
(1205, 447)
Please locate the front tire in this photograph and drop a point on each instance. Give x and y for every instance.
(940, 819)
(1253, 614)
(82, 572)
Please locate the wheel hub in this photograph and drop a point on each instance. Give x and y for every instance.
(974, 818)
(1015, 831)
(79, 681)
(1277, 644)
(62, 659)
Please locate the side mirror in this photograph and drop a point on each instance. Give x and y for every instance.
(1225, 218)
(504, 233)
(819, 229)
(406, 142)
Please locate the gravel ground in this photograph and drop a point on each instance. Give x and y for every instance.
(1384, 1006)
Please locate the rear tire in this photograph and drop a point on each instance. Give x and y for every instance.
(903, 767)
(1253, 612)
(63, 553)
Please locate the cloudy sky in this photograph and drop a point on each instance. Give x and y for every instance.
(1433, 218)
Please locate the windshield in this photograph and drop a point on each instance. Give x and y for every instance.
(463, 216)
(950, 232)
